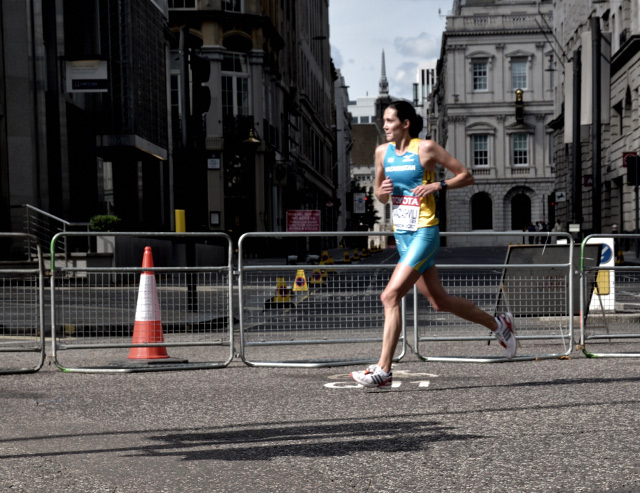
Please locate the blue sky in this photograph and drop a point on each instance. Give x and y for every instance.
(409, 31)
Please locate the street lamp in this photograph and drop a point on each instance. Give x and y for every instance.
(251, 139)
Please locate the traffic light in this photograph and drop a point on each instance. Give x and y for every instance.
(200, 93)
(519, 106)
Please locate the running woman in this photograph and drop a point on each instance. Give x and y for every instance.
(405, 174)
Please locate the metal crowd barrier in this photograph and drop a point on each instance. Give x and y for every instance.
(105, 318)
(22, 334)
(324, 309)
(534, 283)
(610, 294)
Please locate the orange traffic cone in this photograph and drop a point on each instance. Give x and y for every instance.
(148, 324)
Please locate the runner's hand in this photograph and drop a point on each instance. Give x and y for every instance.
(424, 190)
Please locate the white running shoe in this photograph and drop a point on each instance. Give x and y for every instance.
(372, 377)
(506, 335)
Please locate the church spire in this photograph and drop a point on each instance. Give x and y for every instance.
(384, 84)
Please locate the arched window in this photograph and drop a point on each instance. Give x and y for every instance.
(520, 211)
(481, 211)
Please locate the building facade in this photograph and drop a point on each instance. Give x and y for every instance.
(491, 107)
(595, 162)
(342, 150)
(423, 91)
(223, 109)
(264, 143)
(85, 106)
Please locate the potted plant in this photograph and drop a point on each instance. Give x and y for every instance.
(106, 223)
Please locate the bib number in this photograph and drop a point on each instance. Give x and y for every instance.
(406, 212)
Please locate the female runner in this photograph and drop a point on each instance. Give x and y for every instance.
(405, 172)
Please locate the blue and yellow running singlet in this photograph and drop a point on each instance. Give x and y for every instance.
(414, 218)
(406, 172)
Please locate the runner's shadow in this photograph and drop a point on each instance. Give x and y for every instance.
(305, 440)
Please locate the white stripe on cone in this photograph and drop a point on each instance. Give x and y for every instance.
(148, 307)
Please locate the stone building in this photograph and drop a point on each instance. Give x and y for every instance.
(342, 150)
(492, 106)
(221, 108)
(268, 129)
(597, 197)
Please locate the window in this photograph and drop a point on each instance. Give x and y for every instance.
(364, 119)
(520, 144)
(235, 85)
(481, 211)
(182, 4)
(175, 93)
(480, 75)
(552, 149)
(480, 150)
(518, 74)
(232, 5)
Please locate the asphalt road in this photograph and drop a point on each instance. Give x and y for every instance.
(553, 425)
(549, 425)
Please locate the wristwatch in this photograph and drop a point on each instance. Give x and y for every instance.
(443, 184)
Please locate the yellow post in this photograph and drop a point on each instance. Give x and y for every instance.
(180, 221)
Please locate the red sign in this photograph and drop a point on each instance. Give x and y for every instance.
(303, 220)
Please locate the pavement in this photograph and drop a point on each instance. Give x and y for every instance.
(551, 425)
(566, 424)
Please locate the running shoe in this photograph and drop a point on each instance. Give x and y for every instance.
(372, 377)
(506, 335)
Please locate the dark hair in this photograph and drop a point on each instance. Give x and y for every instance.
(406, 111)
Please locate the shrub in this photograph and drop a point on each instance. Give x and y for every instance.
(104, 222)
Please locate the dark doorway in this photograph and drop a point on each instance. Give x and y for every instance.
(481, 211)
(520, 211)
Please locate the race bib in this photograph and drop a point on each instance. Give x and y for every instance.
(406, 211)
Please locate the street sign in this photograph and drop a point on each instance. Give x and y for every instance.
(358, 203)
(86, 76)
(303, 220)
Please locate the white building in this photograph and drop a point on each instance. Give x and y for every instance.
(422, 91)
(363, 110)
(491, 49)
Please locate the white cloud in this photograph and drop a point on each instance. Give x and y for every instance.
(403, 78)
(425, 46)
(411, 32)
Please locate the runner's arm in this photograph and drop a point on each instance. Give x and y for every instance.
(384, 185)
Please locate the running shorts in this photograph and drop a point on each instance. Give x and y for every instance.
(418, 248)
